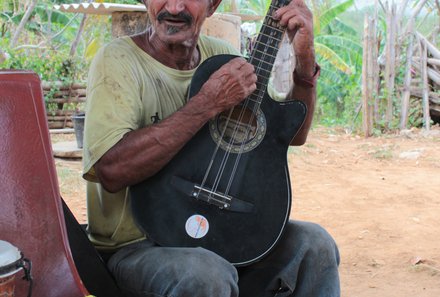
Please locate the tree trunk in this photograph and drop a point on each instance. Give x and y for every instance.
(23, 22)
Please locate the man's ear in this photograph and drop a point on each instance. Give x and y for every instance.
(215, 4)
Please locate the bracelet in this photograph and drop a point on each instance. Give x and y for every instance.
(307, 82)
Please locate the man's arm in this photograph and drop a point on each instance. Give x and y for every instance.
(142, 153)
(298, 20)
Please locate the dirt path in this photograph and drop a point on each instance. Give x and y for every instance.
(378, 197)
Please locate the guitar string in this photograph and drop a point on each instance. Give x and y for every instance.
(255, 109)
(266, 53)
(223, 162)
(229, 147)
(254, 112)
(261, 61)
(211, 161)
(220, 172)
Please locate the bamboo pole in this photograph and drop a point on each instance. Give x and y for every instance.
(431, 61)
(434, 62)
(365, 80)
(407, 82)
(415, 13)
(390, 64)
(397, 33)
(372, 77)
(62, 86)
(435, 52)
(432, 74)
(376, 66)
(425, 86)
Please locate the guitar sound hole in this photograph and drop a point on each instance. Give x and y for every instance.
(239, 125)
(238, 130)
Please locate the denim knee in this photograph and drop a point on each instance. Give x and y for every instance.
(145, 271)
(207, 274)
(316, 241)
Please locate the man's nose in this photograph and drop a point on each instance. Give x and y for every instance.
(175, 6)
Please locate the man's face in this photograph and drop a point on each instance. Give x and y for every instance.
(178, 21)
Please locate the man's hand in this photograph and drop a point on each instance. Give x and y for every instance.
(298, 20)
(229, 85)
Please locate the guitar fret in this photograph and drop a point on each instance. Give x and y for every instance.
(265, 50)
(266, 45)
(276, 28)
(266, 63)
(264, 70)
(261, 84)
(253, 100)
(263, 55)
(275, 36)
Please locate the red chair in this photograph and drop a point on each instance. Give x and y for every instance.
(31, 211)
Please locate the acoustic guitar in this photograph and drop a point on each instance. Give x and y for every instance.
(228, 189)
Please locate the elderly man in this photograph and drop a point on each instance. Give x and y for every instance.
(138, 119)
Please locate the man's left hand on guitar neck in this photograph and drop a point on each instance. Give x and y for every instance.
(298, 20)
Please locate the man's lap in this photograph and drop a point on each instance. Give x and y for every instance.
(305, 254)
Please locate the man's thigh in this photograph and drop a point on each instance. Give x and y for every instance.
(143, 269)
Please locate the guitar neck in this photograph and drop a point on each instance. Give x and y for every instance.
(266, 46)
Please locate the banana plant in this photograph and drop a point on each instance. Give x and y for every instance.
(339, 53)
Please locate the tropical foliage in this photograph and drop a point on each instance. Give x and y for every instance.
(47, 44)
(339, 53)
(46, 41)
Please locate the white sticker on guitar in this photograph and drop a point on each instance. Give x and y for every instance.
(197, 226)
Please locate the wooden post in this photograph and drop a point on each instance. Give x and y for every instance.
(425, 86)
(390, 73)
(407, 82)
(366, 70)
(372, 77)
(374, 48)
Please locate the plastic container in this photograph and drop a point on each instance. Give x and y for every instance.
(78, 126)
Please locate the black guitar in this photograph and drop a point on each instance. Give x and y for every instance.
(228, 189)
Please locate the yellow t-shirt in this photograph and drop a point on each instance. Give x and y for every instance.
(126, 90)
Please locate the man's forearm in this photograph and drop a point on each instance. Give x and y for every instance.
(142, 153)
(305, 79)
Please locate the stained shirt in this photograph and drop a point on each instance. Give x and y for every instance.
(127, 89)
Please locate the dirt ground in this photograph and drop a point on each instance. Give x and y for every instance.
(378, 197)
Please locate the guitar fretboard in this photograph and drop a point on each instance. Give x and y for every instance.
(265, 50)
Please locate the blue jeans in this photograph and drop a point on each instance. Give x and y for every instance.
(303, 264)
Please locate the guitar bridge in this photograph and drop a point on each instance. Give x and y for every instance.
(211, 197)
(219, 199)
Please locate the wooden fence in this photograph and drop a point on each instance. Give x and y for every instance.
(405, 48)
(63, 101)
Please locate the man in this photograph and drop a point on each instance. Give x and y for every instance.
(138, 119)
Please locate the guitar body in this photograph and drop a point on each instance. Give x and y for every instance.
(241, 214)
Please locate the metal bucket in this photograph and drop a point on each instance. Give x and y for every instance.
(11, 262)
(78, 126)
